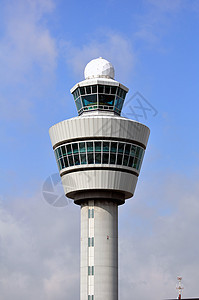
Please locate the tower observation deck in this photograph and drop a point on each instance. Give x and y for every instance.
(99, 156)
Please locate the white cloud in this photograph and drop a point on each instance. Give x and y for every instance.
(161, 246)
(28, 52)
(111, 46)
(38, 250)
(39, 244)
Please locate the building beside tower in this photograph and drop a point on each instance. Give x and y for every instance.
(99, 156)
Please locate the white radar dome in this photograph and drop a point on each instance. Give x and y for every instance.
(99, 67)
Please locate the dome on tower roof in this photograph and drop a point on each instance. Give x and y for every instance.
(99, 68)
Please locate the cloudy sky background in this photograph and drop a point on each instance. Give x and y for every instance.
(44, 47)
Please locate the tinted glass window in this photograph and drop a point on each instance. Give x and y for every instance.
(76, 159)
(82, 90)
(98, 158)
(100, 89)
(113, 147)
(78, 104)
(70, 159)
(127, 148)
(63, 148)
(131, 159)
(82, 147)
(125, 160)
(83, 159)
(89, 100)
(118, 103)
(89, 146)
(62, 163)
(120, 147)
(66, 162)
(90, 158)
(105, 146)
(107, 89)
(88, 90)
(133, 150)
(106, 99)
(105, 158)
(94, 89)
(119, 159)
(75, 148)
(69, 150)
(97, 146)
(113, 90)
(112, 158)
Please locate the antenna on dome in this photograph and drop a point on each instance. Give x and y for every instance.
(179, 287)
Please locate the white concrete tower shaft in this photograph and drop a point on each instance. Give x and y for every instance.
(99, 250)
(99, 156)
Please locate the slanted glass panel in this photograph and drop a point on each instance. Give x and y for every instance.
(59, 152)
(135, 163)
(90, 158)
(113, 147)
(76, 159)
(62, 163)
(112, 158)
(74, 95)
(142, 155)
(94, 89)
(131, 160)
(107, 89)
(66, 162)
(89, 146)
(105, 146)
(56, 154)
(98, 146)
(78, 92)
(127, 148)
(82, 147)
(123, 94)
(83, 159)
(133, 150)
(78, 103)
(121, 147)
(63, 148)
(138, 152)
(70, 159)
(59, 164)
(82, 90)
(98, 158)
(125, 160)
(75, 148)
(69, 150)
(138, 164)
(106, 99)
(119, 159)
(88, 89)
(113, 90)
(89, 100)
(105, 158)
(101, 89)
(118, 103)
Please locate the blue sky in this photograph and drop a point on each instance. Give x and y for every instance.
(44, 47)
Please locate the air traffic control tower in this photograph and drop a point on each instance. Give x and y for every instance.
(99, 156)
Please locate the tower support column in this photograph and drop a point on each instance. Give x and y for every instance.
(99, 250)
